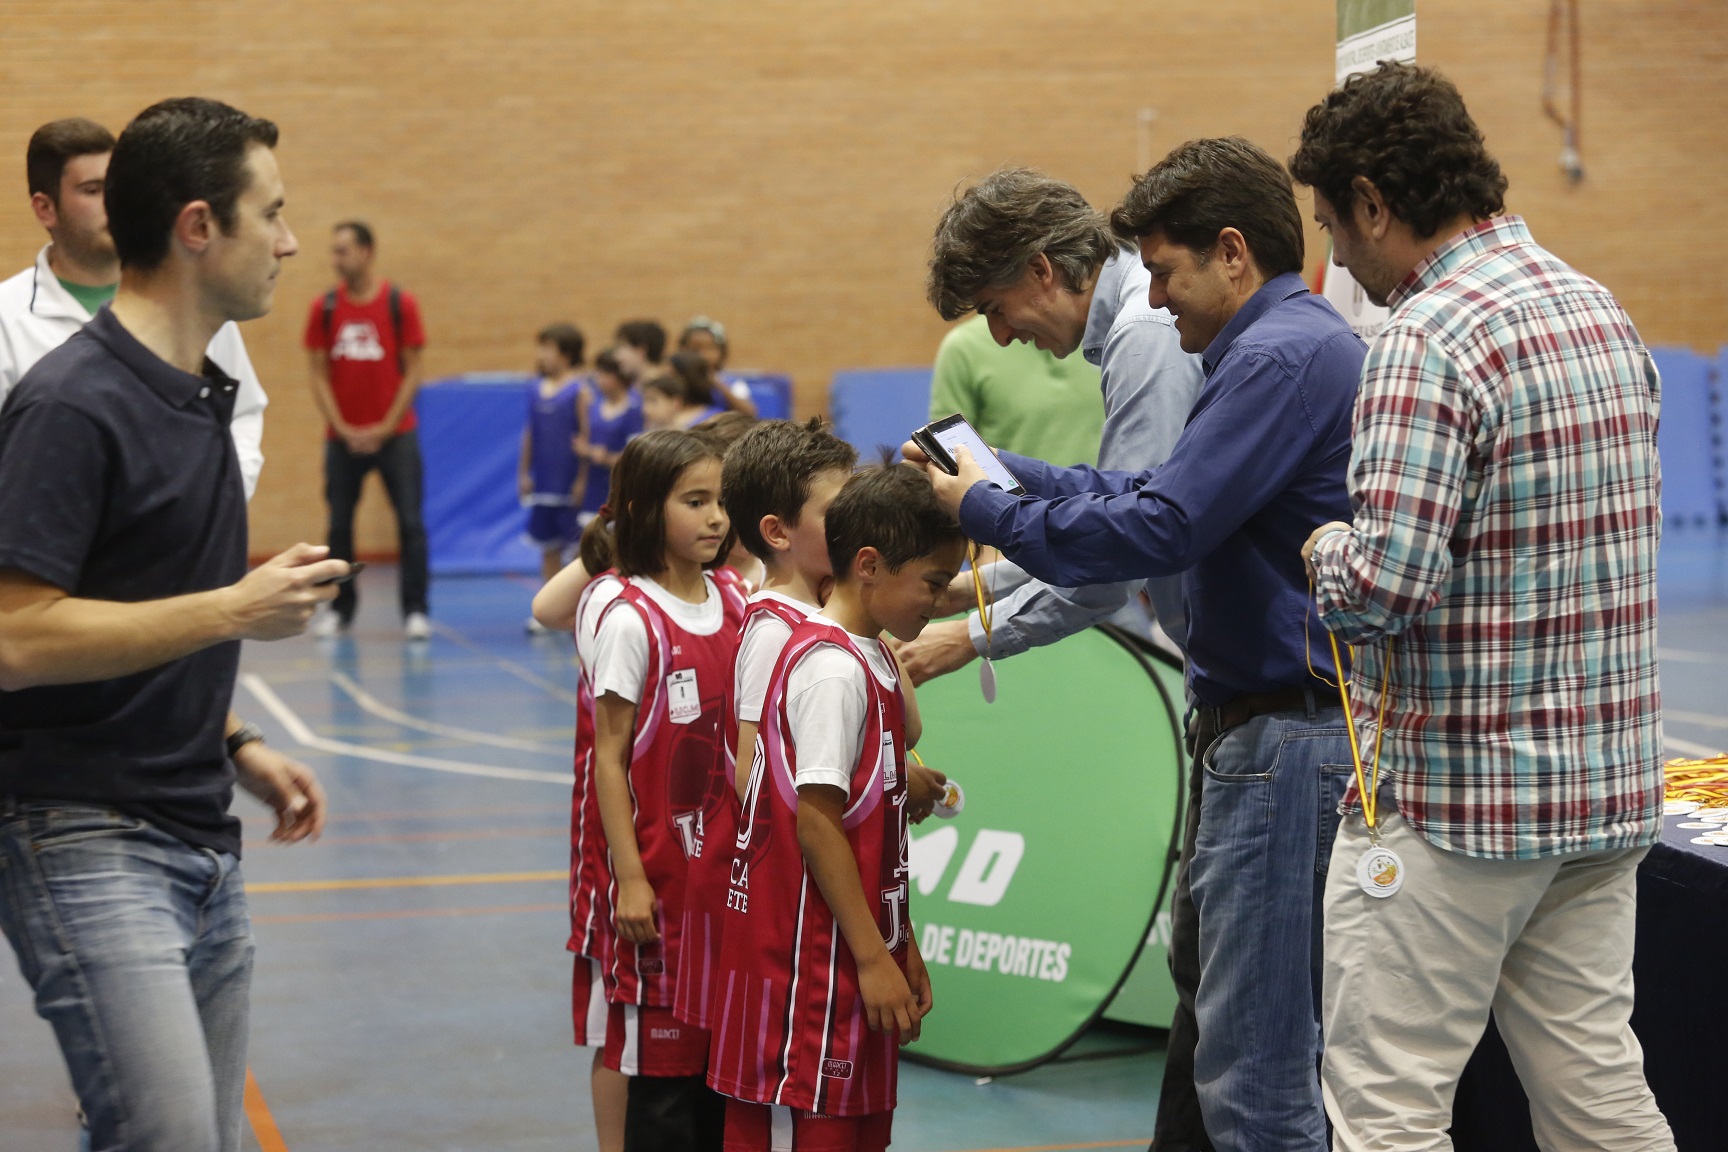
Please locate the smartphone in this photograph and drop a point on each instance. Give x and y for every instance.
(354, 569)
(940, 438)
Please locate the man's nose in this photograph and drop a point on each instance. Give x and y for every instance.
(1000, 330)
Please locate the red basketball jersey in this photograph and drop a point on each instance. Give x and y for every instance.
(705, 890)
(671, 766)
(790, 1026)
(590, 927)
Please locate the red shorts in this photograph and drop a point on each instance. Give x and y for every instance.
(653, 1042)
(773, 1128)
(588, 1003)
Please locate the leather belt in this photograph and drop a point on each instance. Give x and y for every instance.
(1209, 723)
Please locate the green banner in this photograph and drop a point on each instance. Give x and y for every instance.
(1032, 905)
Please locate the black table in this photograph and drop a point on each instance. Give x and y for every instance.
(1680, 970)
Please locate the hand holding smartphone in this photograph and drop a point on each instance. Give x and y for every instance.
(355, 567)
(939, 439)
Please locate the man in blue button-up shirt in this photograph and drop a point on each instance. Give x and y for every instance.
(1261, 462)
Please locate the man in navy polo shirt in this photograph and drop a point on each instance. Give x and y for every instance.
(124, 597)
(1260, 463)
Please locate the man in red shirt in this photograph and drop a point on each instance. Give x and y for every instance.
(364, 339)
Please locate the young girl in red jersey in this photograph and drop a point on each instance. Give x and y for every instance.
(661, 655)
(820, 969)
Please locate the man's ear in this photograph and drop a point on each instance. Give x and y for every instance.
(1371, 215)
(1232, 249)
(196, 226)
(1042, 271)
(774, 531)
(47, 212)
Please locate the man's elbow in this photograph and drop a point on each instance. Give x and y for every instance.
(21, 665)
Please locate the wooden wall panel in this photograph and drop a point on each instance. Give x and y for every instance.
(779, 165)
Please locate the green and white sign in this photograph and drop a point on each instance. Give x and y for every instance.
(1369, 31)
(1033, 904)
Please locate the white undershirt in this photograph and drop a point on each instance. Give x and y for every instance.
(826, 702)
(759, 650)
(621, 645)
(606, 589)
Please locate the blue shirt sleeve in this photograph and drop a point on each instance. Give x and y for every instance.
(1245, 441)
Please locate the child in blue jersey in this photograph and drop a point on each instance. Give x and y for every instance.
(612, 417)
(552, 475)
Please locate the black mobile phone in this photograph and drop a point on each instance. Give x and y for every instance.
(939, 438)
(354, 569)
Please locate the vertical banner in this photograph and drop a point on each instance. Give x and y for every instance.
(1368, 31)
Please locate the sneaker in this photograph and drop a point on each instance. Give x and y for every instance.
(417, 626)
(328, 624)
(534, 628)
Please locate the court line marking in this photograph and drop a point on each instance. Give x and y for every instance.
(1141, 1143)
(301, 733)
(415, 814)
(441, 837)
(1703, 719)
(406, 913)
(1688, 747)
(1685, 656)
(370, 703)
(527, 676)
(269, 886)
(258, 1113)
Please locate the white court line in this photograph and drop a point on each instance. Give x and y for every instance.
(554, 690)
(383, 711)
(1687, 748)
(301, 733)
(1704, 719)
(1684, 656)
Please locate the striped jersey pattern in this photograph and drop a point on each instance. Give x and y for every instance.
(590, 927)
(1506, 498)
(790, 1027)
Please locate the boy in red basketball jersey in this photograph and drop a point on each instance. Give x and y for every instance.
(820, 973)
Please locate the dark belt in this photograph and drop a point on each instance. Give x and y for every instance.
(1209, 723)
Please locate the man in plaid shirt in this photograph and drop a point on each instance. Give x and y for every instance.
(1500, 581)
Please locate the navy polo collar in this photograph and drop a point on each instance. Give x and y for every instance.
(177, 387)
(1275, 291)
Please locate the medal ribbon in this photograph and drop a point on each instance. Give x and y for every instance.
(1369, 789)
(986, 605)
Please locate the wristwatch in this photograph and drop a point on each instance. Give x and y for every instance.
(242, 736)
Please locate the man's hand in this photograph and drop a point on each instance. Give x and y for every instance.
(924, 786)
(940, 649)
(367, 440)
(276, 599)
(1314, 538)
(289, 787)
(634, 913)
(950, 490)
(918, 980)
(888, 1000)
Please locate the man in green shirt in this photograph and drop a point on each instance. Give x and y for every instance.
(1020, 398)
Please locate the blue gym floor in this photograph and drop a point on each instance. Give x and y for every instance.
(412, 988)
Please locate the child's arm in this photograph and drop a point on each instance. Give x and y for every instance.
(746, 757)
(579, 447)
(524, 471)
(555, 604)
(918, 979)
(888, 999)
(614, 728)
(914, 722)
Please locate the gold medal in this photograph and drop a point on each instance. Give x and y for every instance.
(1380, 872)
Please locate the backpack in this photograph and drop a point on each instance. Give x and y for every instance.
(395, 324)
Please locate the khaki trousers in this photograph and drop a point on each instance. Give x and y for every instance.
(1410, 979)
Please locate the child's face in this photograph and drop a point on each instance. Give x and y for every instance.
(696, 524)
(903, 602)
(548, 361)
(610, 385)
(658, 409)
(704, 345)
(809, 538)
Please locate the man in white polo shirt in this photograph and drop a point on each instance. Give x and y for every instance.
(78, 272)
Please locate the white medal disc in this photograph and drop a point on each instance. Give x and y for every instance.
(1380, 872)
(987, 680)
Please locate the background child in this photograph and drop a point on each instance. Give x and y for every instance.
(552, 475)
(667, 402)
(661, 652)
(821, 969)
(613, 416)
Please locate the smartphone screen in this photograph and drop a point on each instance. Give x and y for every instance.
(962, 435)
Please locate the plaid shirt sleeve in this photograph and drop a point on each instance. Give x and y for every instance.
(1410, 469)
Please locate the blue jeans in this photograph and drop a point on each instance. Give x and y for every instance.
(139, 950)
(1268, 815)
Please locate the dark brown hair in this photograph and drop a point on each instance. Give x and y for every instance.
(768, 473)
(607, 362)
(692, 372)
(567, 338)
(642, 481)
(891, 508)
(171, 154)
(725, 428)
(1205, 186)
(360, 230)
(56, 142)
(1406, 129)
(994, 230)
(644, 334)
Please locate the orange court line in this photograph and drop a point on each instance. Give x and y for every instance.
(269, 886)
(263, 1124)
(426, 837)
(406, 913)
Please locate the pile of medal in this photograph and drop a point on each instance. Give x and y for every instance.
(1698, 790)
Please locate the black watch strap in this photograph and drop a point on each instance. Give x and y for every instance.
(242, 736)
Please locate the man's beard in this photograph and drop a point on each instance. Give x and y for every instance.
(88, 249)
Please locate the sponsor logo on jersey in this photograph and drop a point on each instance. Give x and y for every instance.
(651, 967)
(664, 1033)
(837, 1069)
(358, 340)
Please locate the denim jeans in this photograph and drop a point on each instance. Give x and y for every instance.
(139, 950)
(398, 464)
(1268, 816)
